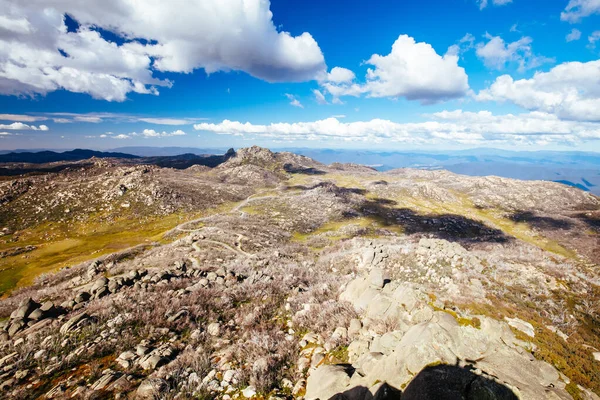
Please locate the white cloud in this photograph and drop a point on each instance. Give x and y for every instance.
(93, 120)
(593, 38)
(151, 133)
(412, 70)
(441, 128)
(496, 53)
(21, 118)
(66, 117)
(171, 121)
(569, 91)
(5, 134)
(19, 126)
(574, 35)
(340, 75)
(578, 9)
(121, 137)
(38, 55)
(320, 97)
(294, 101)
(484, 3)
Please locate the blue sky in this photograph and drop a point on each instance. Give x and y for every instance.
(446, 74)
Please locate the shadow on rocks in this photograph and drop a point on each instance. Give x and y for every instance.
(440, 382)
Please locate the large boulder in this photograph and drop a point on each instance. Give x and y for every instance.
(327, 381)
(26, 307)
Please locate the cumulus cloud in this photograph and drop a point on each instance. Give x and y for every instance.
(412, 70)
(578, 9)
(340, 75)
(569, 91)
(574, 35)
(497, 54)
(294, 101)
(440, 128)
(38, 53)
(19, 126)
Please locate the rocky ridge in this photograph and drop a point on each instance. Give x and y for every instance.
(323, 282)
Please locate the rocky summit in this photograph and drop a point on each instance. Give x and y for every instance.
(273, 276)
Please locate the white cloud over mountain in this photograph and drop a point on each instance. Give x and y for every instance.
(444, 127)
(39, 55)
(569, 91)
(146, 133)
(412, 70)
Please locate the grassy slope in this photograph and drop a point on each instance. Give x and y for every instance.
(77, 243)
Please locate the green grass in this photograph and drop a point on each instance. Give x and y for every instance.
(78, 243)
(333, 230)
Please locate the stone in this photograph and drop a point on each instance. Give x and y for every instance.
(26, 307)
(141, 350)
(214, 329)
(152, 388)
(211, 276)
(21, 374)
(249, 392)
(103, 291)
(105, 380)
(326, 381)
(82, 297)
(36, 314)
(7, 385)
(114, 286)
(376, 278)
(178, 315)
(16, 326)
(99, 284)
(521, 325)
(74, 324)
(228, 375)
(354, 328)
(153, 361)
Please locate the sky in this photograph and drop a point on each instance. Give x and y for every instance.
(376, 74)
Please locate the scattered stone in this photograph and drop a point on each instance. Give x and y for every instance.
(249, 392)
(214, 329)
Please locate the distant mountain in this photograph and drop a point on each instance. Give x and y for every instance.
(573, 168)
(52, 156)
(148, 151)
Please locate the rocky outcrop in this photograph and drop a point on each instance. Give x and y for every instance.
(424, 335)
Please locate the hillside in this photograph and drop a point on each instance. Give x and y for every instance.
(271, 275)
